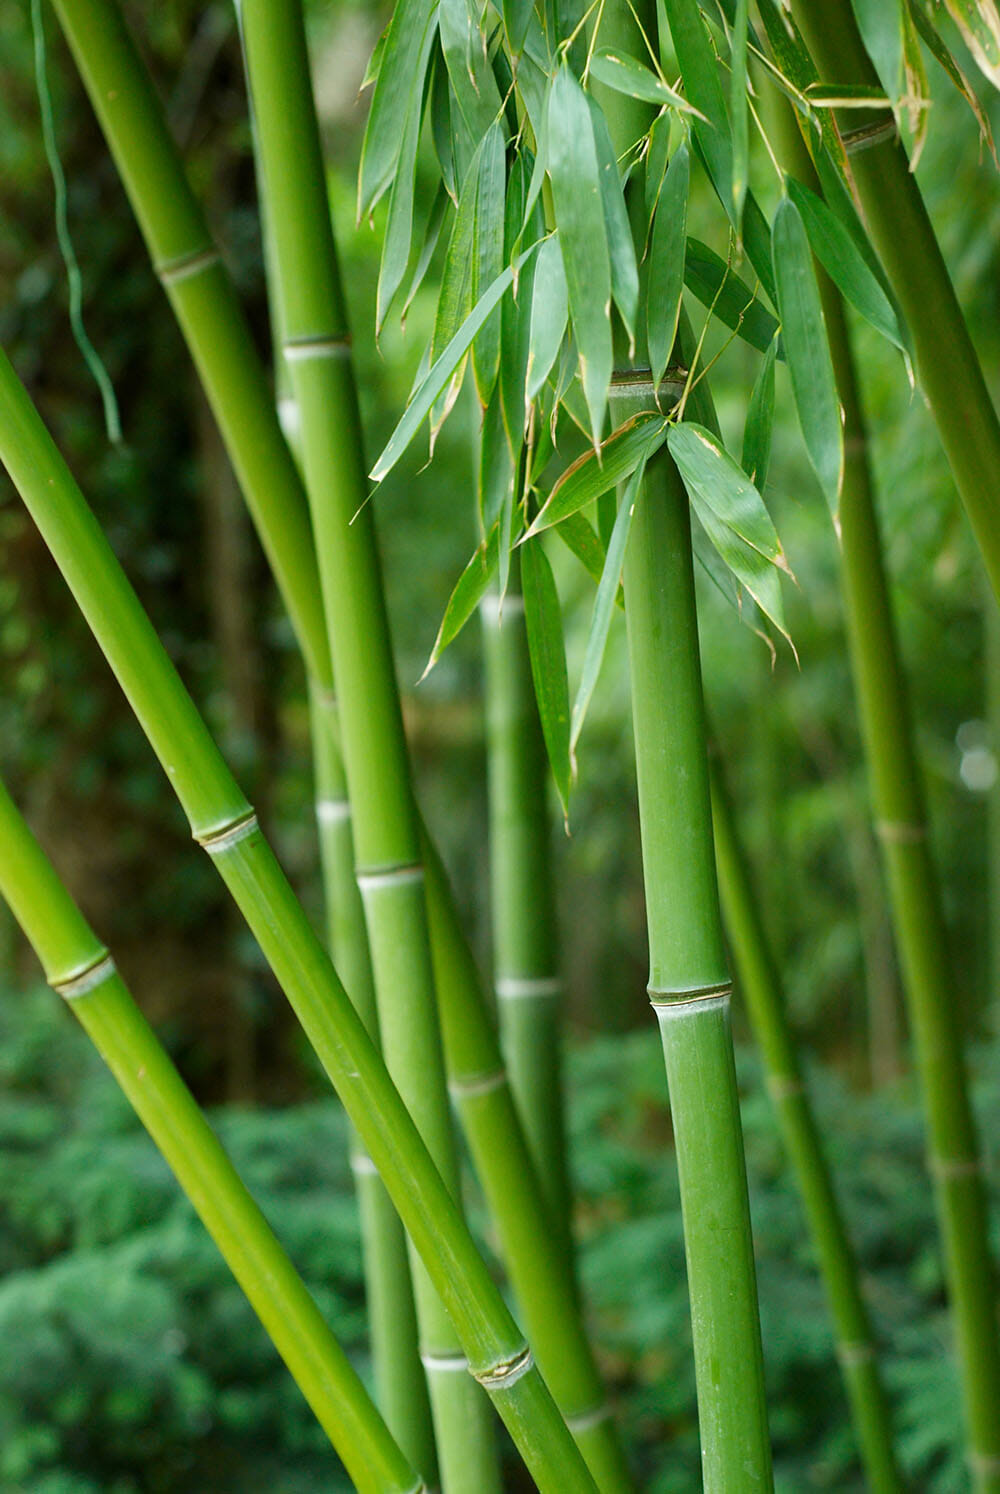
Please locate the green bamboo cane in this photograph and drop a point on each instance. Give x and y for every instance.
(224, 824)
(112, 71)
(928, 974)
(81, 970)
(948, 368)
(761, 986)
(400, 1384)
(525, 955)
(689, 984)
(386, 837)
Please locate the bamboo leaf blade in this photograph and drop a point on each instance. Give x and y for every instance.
(549, 315)
(468, 592)
(604, 603)
(716, 286)
(979, 24)
(624, 270)
(543, 618)
(715, 481)
(488, 257)
(738, 111)
(667, 252)
(757, 576)
(881, 25)
(808, 352)
(398, 241)
(760, 422)
(402, 66)
(594, 473)
(628, 76)
(472, 82)
(834, 247)
(575, 174)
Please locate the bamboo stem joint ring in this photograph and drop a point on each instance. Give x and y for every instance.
(88, 979)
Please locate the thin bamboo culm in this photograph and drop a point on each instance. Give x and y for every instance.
(761, 987)
(525, 946)
(127, 107)
(80, 969)
(928, 975)
(689, 983)
(224, 824)
(400, 1384)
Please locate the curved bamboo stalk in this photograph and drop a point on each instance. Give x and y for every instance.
(525, 954)
(761, 986)
(80, 969)
(224, 824)
(689, 983)
(111, 70)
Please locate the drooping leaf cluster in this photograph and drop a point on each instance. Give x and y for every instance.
(567, 141)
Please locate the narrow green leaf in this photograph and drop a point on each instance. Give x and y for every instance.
(578, 537)
(607, 591)
(543, 620)
(731, 299)
(517, 17)
(760, 422)
(624, 270)
(700, 71)
(468, 593)
(807, 351)
(595, 472)
(923, 19)
(473, 85)
(916, 90)
(402, 69)
(833, 246)
(441, 371)
(979, 23)
(575, 174)
(516, 309)
(628, 76)
(657, 156)
(738, 111)
(846, 96)
(549, 314)
(496, 465)
(881, 25)
(488, 256)
(666, 263)
(432, 235)
(399, 224)
(717, 482)
(757, 576)
(446, 139)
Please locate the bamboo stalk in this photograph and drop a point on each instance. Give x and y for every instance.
(400, 1384)
(110, 66)
(948, 368)
(689, 983)
(390, 874)
(224, 824)
(525, 955)
(928, 976)
(761, 986)
(80, 969)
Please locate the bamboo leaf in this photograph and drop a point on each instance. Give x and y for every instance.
(881, 25)
(979, 23)
(845, 96)
(399, 224)
(753, 573)
(666, 263)
(578, 536)
(833, 246)
(543, 620)
(496, 466)
(716, 482)
(604, 602)
(441, 371)
(624, 271)
(731, 299)
(738, 112)
(916, 91)
(807, 351)
(923, 21)
(516, 309)
(465, 598)
(473, 85)
(488, 256)
(628, 76)
(517, 17)
(595, 472)
(432, 235)
(760, 422)
(699, 68)
(657, 156)
(575, 173)
(549, 314)
(402, 68)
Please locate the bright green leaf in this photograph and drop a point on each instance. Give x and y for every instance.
(595, 472)
(666, 263)
(716, 482)
(402, 69)
(760, 422)
(628, 76)
(549, 314)
(730, 298)
(624, 270)
(543, 620)
(468, 593)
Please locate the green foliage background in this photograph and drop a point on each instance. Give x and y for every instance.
(133, 1362)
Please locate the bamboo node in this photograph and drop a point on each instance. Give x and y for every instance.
(678, 1002)
(522, 987)
(444, 1363)
(583, 1421)
(185, 265)
(390, 876)
(362, 1165)
(950, 1169)
(900, 832)
(857, 1351)
(865, 137)
(332, 811)
(501, 1376)
(87, 979)
(478, 1084)
(781, 1087)
(218, 841)
(299, 349)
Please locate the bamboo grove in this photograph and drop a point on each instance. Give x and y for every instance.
(565, 143)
